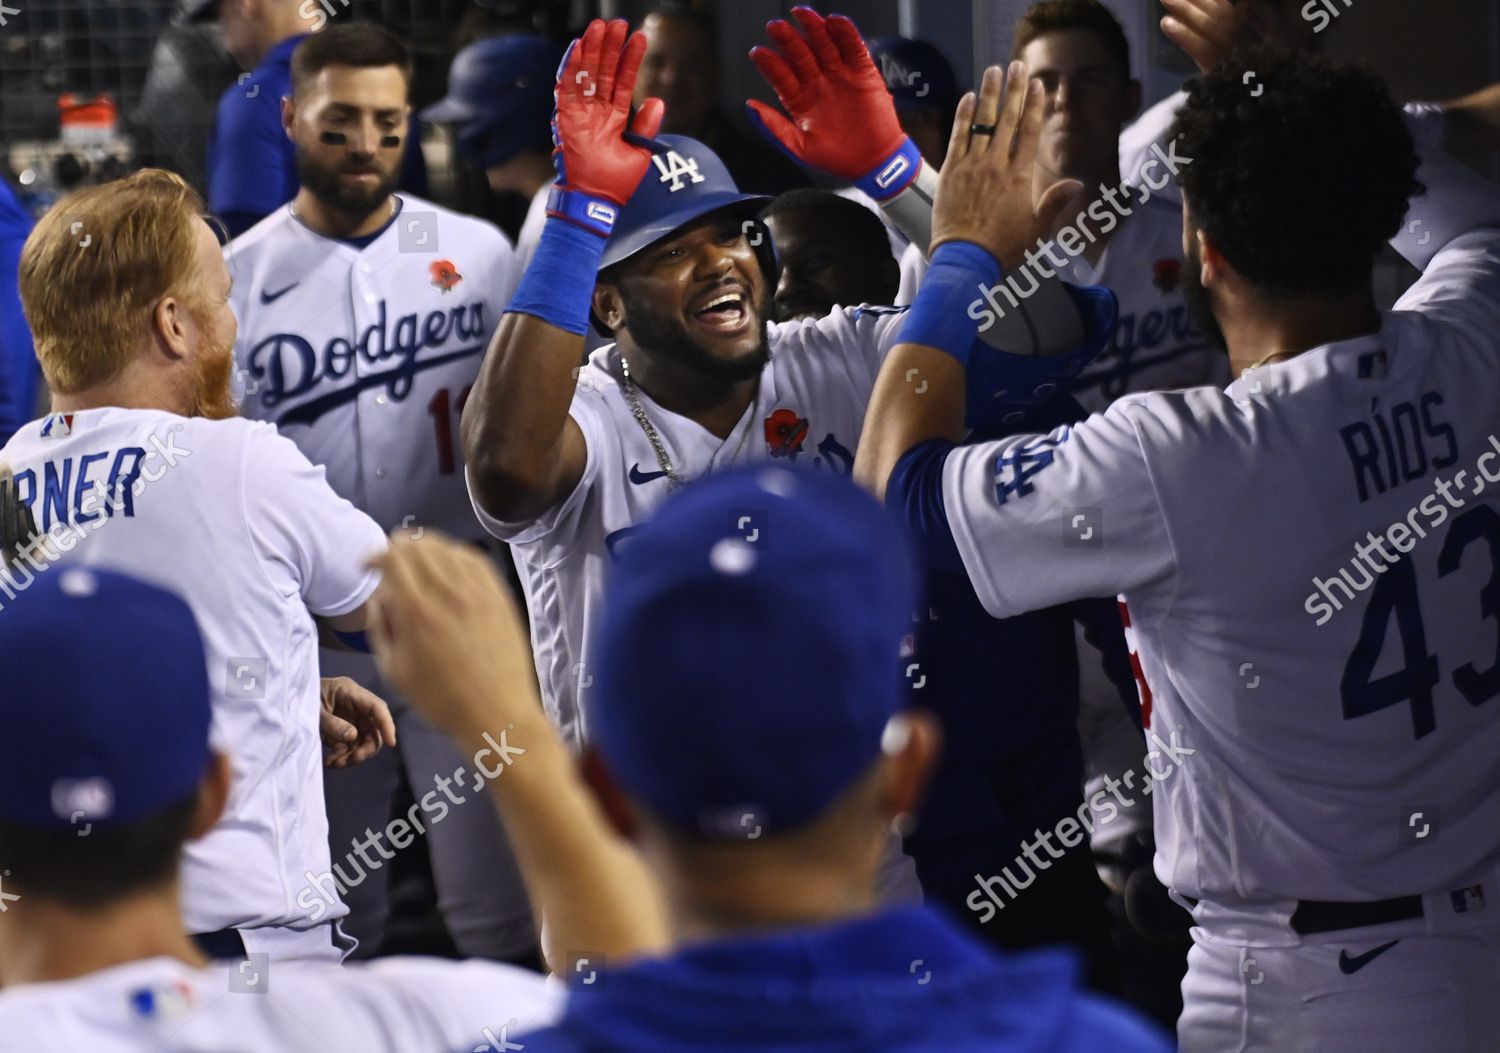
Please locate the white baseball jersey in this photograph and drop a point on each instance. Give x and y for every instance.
(162, 1005)
(530, 234)
(1323, 729)
(810, 408)
(1157, 346)
(364, 356)
(230, 516)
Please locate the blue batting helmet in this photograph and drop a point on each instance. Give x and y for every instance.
(684, 182)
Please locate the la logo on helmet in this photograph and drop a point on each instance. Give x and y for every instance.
(673, 166)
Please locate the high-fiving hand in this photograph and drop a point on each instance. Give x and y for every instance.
(843, 119)
(596, 160)
(984, 189)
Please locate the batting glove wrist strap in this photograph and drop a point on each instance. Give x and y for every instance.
(593, 214)
(942, 317)
(559, 281)
(894, 174)
(910, 209)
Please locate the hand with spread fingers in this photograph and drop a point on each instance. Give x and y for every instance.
(843, 119)
(984, 190)
(596, 151)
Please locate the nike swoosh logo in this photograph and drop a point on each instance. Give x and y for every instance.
(638, 477)
(1354, 964)
(266, 296)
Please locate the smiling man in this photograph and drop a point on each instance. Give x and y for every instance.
(658, 247)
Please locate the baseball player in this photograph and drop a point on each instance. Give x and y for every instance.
(92, 951)
(656, 244)
(499, 103)
(138, 468)
(753, 736)
(251, 164)
(1307, 558)
(363, 315)
(1120, 233)
(1467, 126)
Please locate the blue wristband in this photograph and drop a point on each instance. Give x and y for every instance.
(943, 315)
(558, 285)
(590, 213)
(894, 174)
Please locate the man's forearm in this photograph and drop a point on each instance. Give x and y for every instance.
(588, 884)
(515, 420)
(919, 395)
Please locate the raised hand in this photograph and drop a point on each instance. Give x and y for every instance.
(595, 159)
(1209, 30)
(843, 120)
(984, 189)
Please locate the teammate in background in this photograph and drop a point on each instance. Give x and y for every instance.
(753, 738)
(252, 167)
(682, 69)
(563, 462)
(142, 431)
(499, 102)
(94, 813)
(922, 82)
(363, 315)
(20, 378)
(1315, 751)
(830, 251)
(1119, 234)
(1468, 127)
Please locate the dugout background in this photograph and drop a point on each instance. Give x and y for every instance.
(167, 77)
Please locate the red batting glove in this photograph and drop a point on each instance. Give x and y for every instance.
(597, 166)
(845, 118)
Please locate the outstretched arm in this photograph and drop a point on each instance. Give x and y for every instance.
(451, 639)
(523, 452)
(982, 221)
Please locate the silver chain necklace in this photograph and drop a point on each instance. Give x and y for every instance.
(664, 462)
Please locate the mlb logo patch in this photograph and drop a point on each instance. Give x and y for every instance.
(57, 425)
(1467, 900)
(1372, 365)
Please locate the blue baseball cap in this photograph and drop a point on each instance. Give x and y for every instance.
(106, 707)
(500, 97)
(750, 650)
(684, 182)
(916, 73)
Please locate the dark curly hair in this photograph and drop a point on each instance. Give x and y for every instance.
(1301, 169)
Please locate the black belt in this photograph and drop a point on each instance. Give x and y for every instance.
(1314, 915)
(224, 944)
